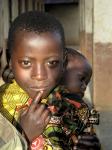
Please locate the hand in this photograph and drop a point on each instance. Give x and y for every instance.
(87, 142)
(35, 118)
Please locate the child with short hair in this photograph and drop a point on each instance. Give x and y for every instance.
(37, 55)
(75, 80)
(77, 74)
(36, 51)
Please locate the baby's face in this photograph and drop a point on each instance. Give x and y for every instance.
(37, 62)
(77, 76)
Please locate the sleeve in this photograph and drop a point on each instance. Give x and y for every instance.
(10, 138)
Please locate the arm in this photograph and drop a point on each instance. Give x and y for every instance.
(87, 141)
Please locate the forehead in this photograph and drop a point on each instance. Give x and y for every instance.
(22, 34)
(79, 65)
(47, 41)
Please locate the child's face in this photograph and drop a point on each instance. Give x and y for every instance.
(37, 61)
(77, 76)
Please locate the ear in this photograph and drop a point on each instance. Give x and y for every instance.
(64, 66)
(65, 62)
(10, 65)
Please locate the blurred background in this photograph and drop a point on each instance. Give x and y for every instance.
(88, 28)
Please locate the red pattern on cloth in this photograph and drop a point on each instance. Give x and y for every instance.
(76, 104)
(38, 143)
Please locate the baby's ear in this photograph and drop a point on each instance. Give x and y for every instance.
(65, 64)
(10, 65)
(65, 57)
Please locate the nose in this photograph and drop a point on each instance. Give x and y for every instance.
(39, 72)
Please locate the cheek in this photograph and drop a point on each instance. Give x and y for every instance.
(72, 83)
(20, 75)
(73, 87)
(77, 84)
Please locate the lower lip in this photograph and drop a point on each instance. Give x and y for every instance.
(37, 90)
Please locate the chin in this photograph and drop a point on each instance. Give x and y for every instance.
(45, 95)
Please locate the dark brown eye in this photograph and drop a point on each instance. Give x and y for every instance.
(53, 63)
(25, 63)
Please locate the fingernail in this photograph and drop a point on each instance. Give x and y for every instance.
(79, 137)
(74, 148)
(41, 91)
(76, 141)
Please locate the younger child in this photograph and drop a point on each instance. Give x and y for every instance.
(76, 78)
(77, 74)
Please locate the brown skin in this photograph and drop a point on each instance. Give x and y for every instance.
(77, 75)
(88, 142)
(37, 64)
(31, 116)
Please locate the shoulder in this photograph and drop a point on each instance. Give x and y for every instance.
(9, 89)
(9, 137)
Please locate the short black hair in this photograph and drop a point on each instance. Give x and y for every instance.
(32, 21)
(75, 53)
(37, 22)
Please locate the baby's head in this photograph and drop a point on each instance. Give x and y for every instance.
(77, 74)
(36, 51)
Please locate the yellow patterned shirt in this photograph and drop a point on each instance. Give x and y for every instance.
(11, 98)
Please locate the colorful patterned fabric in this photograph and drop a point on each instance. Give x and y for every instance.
(69, 115)
(11, 98)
